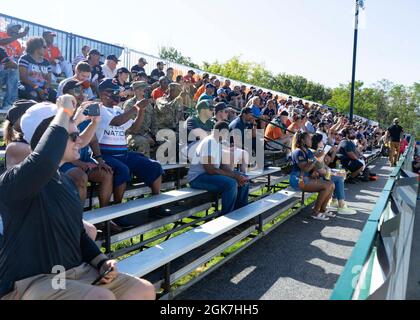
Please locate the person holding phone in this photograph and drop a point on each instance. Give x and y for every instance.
(305, 177)
(86, 168)
(48, 214)
(324, 157)
(144, 139)
(111, 147)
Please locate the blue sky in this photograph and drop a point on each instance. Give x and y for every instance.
(312, 38)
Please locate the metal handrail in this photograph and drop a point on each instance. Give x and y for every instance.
(344, 288)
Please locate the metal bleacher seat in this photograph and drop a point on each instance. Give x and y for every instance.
(162, 255)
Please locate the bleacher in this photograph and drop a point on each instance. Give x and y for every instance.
(165, 249)
(190, 239)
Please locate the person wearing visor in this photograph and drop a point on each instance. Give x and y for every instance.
(113, 148)
(48, 214)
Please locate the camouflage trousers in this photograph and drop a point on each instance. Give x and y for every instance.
(139, 143)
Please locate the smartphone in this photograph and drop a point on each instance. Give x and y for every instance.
(101, 276)
(92, 110)
(327, 149)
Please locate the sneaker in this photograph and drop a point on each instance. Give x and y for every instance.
(346, 211)
(333, 204)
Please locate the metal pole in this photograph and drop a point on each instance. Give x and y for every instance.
(353, 81)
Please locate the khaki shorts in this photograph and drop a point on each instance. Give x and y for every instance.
(77, 285)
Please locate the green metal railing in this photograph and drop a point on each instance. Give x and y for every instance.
(365, 250)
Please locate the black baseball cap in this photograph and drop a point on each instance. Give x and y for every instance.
(72, 84)
(93, 52)
(49, 33)
(108, 85)
(142, 74)
(113, 57)
(220, 107)
(284, 114)
(18, 109)
(13, 26)
(246, 110)
(123, 70)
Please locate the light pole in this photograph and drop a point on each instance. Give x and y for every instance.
(359, 4)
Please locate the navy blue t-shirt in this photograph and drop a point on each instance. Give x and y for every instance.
(299, 156)
(345, 147)
(269, 112)
(238, 124)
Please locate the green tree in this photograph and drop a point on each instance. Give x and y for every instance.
(233, 69)
(172, 54)
(256, 74)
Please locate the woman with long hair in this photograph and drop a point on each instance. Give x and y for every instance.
(304, 176)
(338, 201)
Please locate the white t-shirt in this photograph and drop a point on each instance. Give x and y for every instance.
(206, 148)
(108, 73)
(112, 138)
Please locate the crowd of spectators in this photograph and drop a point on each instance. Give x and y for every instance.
(120, 141)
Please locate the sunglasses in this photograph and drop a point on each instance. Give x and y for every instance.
(74, 136)
(114, 93)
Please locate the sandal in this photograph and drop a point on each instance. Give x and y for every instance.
(330, 214)
(320, 216)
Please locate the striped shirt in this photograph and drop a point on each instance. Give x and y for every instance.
(37, 71)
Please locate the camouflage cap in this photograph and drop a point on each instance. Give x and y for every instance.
(139, 85)
(175, 86)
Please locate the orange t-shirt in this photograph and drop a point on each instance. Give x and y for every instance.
(199, 92)
(158, 93)
(13, 49)
(273, 133)
(52, 53)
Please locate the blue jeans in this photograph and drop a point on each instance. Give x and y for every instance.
(27, 92)
(233, 196)
(339, 188)
(11, 78)
(146, 170)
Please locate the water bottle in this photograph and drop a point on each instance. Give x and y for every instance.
(339, 166)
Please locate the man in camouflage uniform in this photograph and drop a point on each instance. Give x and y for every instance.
(170, 108)
(144, 139)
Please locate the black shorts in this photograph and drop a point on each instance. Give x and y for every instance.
(353, 165)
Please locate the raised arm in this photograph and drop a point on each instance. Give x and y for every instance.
(123, 118)
(24, 181)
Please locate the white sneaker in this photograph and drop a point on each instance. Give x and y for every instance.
(346, 211)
